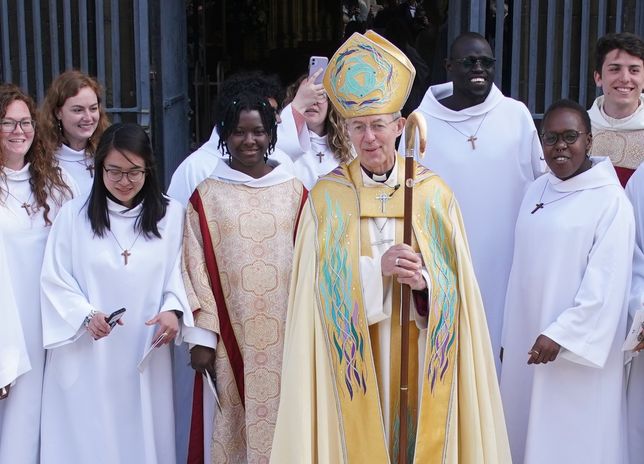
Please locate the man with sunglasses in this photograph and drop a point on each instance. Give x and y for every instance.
(486, 147)
(617, 116)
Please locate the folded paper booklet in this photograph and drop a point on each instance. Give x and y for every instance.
(146, 356)
(635, 334)
(211, 384)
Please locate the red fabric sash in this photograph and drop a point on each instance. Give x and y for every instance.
(196, 439)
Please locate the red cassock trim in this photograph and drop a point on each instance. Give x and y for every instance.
(623, 174)
(227, 333)
(196, 439)
(305, 195)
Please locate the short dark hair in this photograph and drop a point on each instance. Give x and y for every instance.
(245, 101)
(626, 41)
(465, 36)
(127, 137)
(268, 86)
(569, 105)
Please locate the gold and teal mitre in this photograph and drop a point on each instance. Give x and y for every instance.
(368, 75)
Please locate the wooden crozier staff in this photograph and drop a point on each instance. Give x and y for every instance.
(416, 121)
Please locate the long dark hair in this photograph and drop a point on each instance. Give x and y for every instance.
(131, 138)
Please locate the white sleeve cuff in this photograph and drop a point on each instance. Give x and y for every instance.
(199, 336)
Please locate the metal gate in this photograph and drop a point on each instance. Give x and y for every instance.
(111, 40)
(545, 48)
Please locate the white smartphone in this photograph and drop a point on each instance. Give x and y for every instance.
(315, 63)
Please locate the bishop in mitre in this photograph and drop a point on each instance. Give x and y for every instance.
(341, 368)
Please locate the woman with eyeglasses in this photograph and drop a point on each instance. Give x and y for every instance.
(115, 254)
(72, 121)
(312, 133)
(32, 190)
(562, 378)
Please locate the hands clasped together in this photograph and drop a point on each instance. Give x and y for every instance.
(402, 262)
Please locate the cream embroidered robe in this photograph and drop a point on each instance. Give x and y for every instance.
(238, 249)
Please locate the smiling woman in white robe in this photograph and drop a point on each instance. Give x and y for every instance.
(562, 381)
(32, 189)
(99, 404)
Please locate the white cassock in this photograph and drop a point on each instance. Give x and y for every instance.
(635, 391)
(14, 360)
(310, 153)
(378, 298)
(97, 407)
(201, 163)
(488, 182)
(25, 237)
(78, 166)
(569, 281)
(196, 168)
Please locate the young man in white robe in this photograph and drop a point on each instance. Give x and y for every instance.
(486, 147)
(617, 116)
(562, 381)
(104, 400)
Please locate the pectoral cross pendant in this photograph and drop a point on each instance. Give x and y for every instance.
(27, 208)
(471, 139)
(383, 201)
(320, 156)
(537, 207)
(90, 168)
(125, 255)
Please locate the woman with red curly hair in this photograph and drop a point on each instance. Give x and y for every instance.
(72, 120)
(32, 190)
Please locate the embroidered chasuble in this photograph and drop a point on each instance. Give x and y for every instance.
(342, 404)
(622, 140)
(237, 267)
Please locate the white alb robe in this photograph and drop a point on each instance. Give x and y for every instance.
(25, 237)
(569, 281)
(304, 149)
(488, 182)
(97, 407)
(635, 390)
(14, 360)
(76, 164)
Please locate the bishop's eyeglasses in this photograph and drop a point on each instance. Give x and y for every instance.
(115, 175)
(9, 125)
(569, 137)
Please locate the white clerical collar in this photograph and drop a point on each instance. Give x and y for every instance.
(391, 180)
(601, 173)
(278, 175)
(123, 211)
(66, 153)
(21, 174)
(602, 121)
(432, 106)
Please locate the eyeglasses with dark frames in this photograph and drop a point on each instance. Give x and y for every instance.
(470, 61)
(9, 125)
(115, 175)
(569, 137)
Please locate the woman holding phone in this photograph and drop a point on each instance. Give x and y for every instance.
(119, 248)
(312, 133)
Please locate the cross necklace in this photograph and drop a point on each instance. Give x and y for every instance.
(470, 138)
(88, 167)
(125, 252)
(541, 204)
(26, 205)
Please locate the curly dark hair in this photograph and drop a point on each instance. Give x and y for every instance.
(267, 86)
(245, 101)
(626, 41)
(46, 177)
(65, 86)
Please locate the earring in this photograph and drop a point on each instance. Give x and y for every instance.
(60, 126)
(266, 157)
